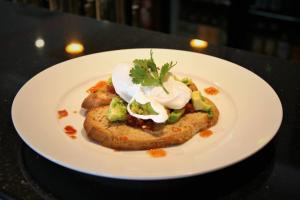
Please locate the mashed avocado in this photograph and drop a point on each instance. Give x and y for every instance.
(175, 115)
(109, 81)
(200, 104)
(117, 110)
(142, 109)
(187, 81)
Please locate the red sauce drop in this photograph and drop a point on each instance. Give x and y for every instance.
(156, 153)
(62, 113)
(176, 129)
(206, 133)
(70, 130)
(211, 90)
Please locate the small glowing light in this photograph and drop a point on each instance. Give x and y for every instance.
(39, 43)
(199, 44)
(74, 48)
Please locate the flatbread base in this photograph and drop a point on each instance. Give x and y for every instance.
(118, 135)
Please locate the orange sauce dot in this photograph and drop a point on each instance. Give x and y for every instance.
(176, 129)
(156, 153)
(211, 90)
(98, 86)
(206, 133)
(70, 130)
(62, 113)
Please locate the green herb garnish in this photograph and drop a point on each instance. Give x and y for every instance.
(146, 73)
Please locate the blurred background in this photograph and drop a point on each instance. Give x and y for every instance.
(270, 27)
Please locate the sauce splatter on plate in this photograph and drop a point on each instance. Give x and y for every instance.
(206, 133)
(62, 113)
(211, 90)
(157, 153)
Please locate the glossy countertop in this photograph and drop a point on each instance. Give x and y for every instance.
(33, 39)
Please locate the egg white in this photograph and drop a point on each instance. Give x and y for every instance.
(161, 115)
(122, 83)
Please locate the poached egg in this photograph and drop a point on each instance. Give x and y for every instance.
(179, 94)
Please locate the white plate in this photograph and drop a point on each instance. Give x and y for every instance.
(250, 115)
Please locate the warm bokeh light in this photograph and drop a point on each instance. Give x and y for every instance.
(39, 43)
(74, 48)
(199, 44)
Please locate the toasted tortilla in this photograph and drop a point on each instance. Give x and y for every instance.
(118, 135)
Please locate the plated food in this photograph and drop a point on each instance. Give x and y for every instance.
(143, 106)
(63, 88)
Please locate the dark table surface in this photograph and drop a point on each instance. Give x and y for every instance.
(272, 173)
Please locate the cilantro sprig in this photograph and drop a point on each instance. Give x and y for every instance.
(146, 73)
